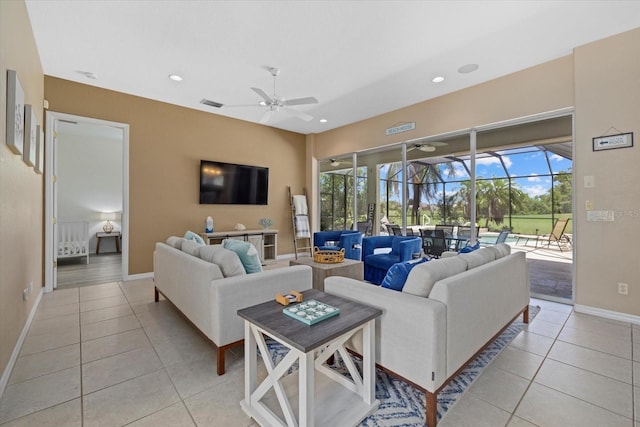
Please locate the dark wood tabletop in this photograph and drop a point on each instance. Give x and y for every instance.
(269, 316)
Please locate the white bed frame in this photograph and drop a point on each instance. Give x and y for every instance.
(73, 239)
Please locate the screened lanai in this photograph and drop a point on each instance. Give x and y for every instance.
(523, 183)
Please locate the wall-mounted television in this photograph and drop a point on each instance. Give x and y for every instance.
(232, 184)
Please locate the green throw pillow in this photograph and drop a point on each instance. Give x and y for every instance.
(247, 253)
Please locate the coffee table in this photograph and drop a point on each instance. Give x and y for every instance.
(347, 268)
(315, 394)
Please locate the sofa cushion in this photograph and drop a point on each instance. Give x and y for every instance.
(227, 260)
(191, 247)
(190, 235)
(502, 250)
(397, 274)
(247, 253)
(422, 278)
(175, 242)
(479, 257)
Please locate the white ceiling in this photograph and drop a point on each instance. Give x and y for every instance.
(359, 58)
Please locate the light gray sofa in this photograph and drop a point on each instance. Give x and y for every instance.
(447, 312)
(200, 290)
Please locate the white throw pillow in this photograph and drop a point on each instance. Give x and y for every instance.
(191, 247)
(227, 260)
(422, 277)
(175, 241)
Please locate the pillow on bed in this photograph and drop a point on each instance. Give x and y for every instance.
(247, 253)
(190, 235)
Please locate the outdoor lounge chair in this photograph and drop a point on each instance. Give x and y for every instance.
(557, 235)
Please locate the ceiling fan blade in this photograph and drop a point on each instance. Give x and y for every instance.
(299, 114)
(263, 95)
(242, 105)
(266, 116)
(301, 101)
(437, 143)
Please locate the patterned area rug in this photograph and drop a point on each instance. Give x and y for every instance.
(403, 405)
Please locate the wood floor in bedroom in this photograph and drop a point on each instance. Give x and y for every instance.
(103, 268)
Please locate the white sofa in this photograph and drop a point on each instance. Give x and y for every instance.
(210, 300)
(447, 312)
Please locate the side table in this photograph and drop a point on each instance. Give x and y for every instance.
(315, 394)
(347, 268)
(102, 235)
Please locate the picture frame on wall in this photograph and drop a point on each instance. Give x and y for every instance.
(15, 113)
(30, 136)
(38, 167)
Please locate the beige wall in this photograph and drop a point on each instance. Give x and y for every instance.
(21, 197)
(166, 144)
(608, 101)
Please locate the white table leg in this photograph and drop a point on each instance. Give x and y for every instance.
(368, 365)
(306, 386)
(250, 363)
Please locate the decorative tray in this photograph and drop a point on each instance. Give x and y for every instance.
(328, 257)
(311, 312)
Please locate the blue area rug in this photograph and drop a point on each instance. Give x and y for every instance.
(403, 405)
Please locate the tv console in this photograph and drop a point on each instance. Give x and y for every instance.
(265, 241)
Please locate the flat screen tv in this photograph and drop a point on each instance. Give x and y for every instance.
(232, 184)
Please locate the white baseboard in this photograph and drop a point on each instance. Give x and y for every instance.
(139, 276)
(4, 380)
(607, 314)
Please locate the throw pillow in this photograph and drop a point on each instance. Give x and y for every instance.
(397, 274)
(175, 242)
(422, 278)
(190, 235)
(227, 260)
(469, 248)
(191, 247)
(247, 253)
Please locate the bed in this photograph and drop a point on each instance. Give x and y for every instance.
(73, 239)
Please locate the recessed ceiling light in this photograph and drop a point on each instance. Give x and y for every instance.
(469, 68)
(175, 77)
(438, 79)
(323, 120)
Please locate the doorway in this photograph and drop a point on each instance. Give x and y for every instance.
(86, 183)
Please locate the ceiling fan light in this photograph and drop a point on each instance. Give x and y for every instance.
(427, 148)
(335, 163)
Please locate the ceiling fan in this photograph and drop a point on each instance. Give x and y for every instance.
(427, 147)
(337, 162)
(276, 103)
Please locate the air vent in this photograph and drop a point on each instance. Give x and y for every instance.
(211, 103)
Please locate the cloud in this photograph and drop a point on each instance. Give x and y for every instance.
(491, 160)
(534, 178)
(535, 190)
(557, 158)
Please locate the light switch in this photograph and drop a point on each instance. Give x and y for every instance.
(589, 181)
(588, 205)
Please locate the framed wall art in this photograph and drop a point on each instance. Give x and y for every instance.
(609, 142)
(30, 136)
(15, 112)
(39, 166)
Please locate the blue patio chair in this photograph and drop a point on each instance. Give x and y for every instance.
(377, 260)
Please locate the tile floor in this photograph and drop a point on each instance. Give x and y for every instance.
(107, 355)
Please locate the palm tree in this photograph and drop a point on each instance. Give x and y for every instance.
(423, 178)
(499, 197)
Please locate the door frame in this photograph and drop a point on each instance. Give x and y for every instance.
(52, 118)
